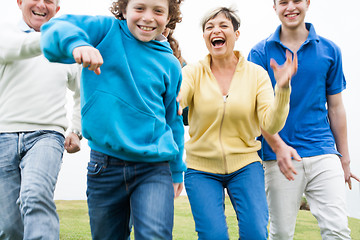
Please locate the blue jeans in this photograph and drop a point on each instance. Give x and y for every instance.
(116, 187)
(247, 194)
(29, 166)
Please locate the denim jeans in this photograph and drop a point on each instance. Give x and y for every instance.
(29, 166)
(116, 187)
(247, 194)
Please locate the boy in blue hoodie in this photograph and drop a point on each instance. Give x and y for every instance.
(129, 113)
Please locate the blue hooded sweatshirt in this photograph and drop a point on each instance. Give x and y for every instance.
(129, 111)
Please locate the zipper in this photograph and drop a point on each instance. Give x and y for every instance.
(220, 133)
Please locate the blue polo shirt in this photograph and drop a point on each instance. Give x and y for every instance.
(319, 74)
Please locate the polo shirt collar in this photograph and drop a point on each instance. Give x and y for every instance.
(275, 37)
(24, 27)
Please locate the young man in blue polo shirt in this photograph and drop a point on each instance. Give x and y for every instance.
(313, 143)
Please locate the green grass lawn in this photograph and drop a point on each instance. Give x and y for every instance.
(74, 222)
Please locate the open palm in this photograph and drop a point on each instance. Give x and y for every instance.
(283, 73)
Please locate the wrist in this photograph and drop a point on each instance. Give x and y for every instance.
(78, 133)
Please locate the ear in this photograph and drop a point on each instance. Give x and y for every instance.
(124, 13)
(274, 7)
(308, 3)
(57, 8)
(19, 2)
(237, 35)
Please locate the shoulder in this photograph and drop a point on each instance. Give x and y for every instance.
(193, 68)
(328, 44)
(260, 46)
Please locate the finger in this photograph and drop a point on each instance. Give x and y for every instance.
(273, 64)
(179, 97)
(97, 71)
(85, 59)
(96, 61)
(296, 156)
(354, 177)
(295, 63)
(349, 183)
(77, 56)
(288, 57)
(180, 110)
(288, 174)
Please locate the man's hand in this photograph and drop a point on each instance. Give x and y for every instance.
(89, 57)
(284, 156)
(178, 187)
(345, 163)
(72, 143)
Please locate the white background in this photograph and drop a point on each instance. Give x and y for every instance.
(333, 19)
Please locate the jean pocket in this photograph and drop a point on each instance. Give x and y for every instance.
(96, 164)
(94, 168)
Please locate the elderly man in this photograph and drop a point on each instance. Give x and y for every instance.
(32, 126)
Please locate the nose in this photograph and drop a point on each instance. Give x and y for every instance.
(148, 16)
(41, 4)
(216, 29)
(291, 6)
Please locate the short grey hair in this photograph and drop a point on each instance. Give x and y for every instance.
(229, 13)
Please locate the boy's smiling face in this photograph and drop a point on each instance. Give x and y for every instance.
(147, 19)
(37, 12)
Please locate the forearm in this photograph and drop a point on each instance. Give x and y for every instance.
(338, 125)
(274, 141)
(17, 45)
(275, 117)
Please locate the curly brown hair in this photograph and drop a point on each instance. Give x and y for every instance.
(174, 11)
(174, 44)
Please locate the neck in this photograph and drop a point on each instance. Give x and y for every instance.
(293, 38)
(294, 34)
(223, 63)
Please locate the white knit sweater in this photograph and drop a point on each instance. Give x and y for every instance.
(33, 90)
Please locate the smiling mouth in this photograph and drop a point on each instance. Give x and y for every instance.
(217, 42)
(39, 14)
(291, 15)
(147, 29)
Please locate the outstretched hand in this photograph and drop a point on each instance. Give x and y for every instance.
(283, 73)
(89, 57)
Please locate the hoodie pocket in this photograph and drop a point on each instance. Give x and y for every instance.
(110, 122)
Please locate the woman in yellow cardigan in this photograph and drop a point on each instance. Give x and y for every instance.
(230, 100)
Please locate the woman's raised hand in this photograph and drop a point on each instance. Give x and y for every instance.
(283, 73)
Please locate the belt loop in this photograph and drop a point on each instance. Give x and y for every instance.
(107, 160)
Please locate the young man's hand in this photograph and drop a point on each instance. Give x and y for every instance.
(89, 57)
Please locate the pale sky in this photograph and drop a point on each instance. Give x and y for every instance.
(333, 19)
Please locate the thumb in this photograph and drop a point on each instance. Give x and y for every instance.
(273, 64)
(97, 71)
(295, 155)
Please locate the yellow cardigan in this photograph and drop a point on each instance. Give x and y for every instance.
(223, 129)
